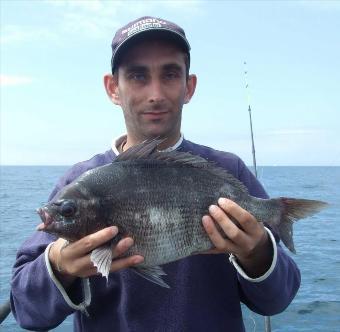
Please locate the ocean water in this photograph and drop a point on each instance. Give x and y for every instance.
(317, 240)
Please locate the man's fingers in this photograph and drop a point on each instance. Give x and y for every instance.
(76, 259)
(228, 227)
(253, 232)
(122, 246)
(82, 267)
(124, 263)
(246, 220)
(221, 243)
(92, 241)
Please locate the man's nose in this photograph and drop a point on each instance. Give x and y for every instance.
(156, 91)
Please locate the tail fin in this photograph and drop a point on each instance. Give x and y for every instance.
(293, 210)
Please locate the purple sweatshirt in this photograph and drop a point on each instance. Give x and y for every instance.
(205, 293)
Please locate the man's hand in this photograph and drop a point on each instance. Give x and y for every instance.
(73, 260)
(244, 237)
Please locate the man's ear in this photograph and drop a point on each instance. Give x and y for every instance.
(111, 87)
(191, 86)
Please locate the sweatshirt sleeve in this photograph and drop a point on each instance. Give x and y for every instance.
(274, 293)
(36, 302)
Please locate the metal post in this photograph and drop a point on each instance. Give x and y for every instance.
(267, 324)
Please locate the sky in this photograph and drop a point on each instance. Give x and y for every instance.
(54, 54)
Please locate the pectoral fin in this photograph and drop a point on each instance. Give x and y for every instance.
(101, 258)
(153, 274)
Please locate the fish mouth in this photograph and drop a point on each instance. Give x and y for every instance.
(45, 218)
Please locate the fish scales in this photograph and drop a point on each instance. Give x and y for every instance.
(166, 221)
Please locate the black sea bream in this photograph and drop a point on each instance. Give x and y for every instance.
(159, 198)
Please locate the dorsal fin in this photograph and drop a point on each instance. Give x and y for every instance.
(147, 151)
(188, 159)
(140, 151)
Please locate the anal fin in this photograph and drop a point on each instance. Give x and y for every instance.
(153, 274)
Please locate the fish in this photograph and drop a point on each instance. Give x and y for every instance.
(159, 198)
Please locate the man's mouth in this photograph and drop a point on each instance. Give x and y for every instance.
(155, 114)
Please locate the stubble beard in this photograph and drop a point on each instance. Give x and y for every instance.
(164, 128)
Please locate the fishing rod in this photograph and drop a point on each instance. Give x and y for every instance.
(267, 323)
(250, 119)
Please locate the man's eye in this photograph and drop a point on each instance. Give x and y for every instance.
(172, 75)
(137, 77)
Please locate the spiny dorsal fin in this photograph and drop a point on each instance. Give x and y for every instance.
(188, 159)
(147, 151)
(140, 151)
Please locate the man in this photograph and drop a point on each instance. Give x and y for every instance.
(150, 81)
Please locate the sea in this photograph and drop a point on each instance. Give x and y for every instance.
(316, 307)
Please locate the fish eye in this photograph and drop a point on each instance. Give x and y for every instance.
(68, 209)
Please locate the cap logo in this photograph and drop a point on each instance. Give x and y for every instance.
(141, 25)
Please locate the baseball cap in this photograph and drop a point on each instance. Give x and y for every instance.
(141, 28)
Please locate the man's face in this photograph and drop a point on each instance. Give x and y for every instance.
(152, 87)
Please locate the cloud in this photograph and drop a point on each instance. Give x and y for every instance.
(13, 80)
(95, 19)
(100, 18)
